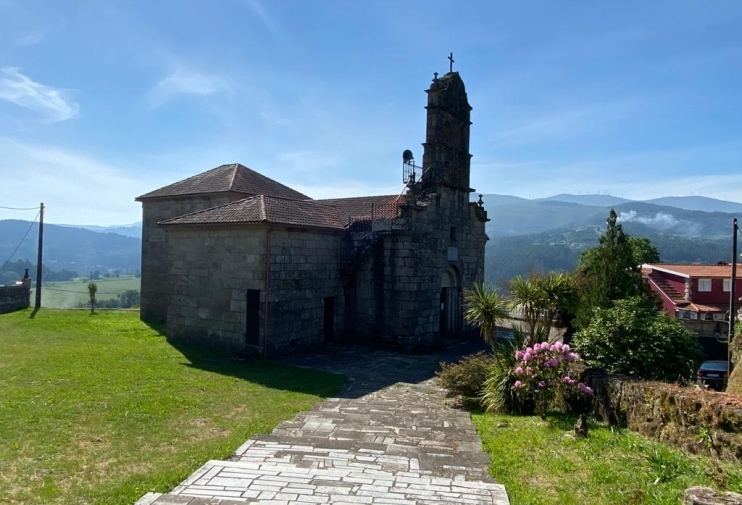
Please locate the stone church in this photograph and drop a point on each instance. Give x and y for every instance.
(234, 259)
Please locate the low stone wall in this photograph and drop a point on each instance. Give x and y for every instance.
(14, 298)
(696, 420)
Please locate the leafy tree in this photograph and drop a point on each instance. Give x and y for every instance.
(92, 289)
(643, 250)
(129, 298)
(635, 339)
(486, 309)
(612, 271)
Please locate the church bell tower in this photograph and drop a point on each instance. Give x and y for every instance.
(446, 158)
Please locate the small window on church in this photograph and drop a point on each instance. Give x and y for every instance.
(453, 234)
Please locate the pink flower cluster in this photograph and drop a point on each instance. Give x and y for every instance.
(585, 388)
(545, 366)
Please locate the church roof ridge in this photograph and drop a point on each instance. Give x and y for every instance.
(227, 178)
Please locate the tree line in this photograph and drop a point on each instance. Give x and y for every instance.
(604, 304)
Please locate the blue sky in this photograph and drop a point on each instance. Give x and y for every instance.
(103, 101)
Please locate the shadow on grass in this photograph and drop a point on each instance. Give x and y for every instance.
(159, 327)
(367, 369)
(33, 313)
(269, 374)
(265, 373)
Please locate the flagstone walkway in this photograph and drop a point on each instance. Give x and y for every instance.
(379, 442)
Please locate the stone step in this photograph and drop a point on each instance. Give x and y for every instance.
(286, 482)
(320, 453)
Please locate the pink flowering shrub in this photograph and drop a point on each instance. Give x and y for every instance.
(542, 370)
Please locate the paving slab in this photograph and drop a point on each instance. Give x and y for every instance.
(388, 438)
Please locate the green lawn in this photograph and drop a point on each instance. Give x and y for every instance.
(66, 295)
(101, 409)
(540, 465)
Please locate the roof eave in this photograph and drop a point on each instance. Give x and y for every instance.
(666, 270)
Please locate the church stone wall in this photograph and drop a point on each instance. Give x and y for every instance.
(440, 249)
(304, 271)
(398, 286)
(212, 269)
(154, 290)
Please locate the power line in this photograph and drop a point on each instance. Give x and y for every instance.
(21, 242)
(18, 208)
(77, 292)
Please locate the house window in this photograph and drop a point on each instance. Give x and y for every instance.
(681, 314)
(727, 285)
(719, 317)
(693, 315)
(704, 284)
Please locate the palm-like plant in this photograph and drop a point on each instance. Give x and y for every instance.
(486, 309)
(557, 290)
(527, 297)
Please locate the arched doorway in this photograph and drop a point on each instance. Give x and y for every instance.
(451, 303)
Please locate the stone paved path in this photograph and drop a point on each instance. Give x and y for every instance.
(376, 443)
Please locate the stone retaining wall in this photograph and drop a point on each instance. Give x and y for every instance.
(699, 421)
(14, 298)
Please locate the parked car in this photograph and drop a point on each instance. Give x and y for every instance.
(713, 374)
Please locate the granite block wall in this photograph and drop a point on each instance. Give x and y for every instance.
(154, 289)
(211, 269)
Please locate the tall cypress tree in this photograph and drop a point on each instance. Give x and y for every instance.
(612, 270)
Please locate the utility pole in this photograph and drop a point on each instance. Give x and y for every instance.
(38, 260)
(732, 298)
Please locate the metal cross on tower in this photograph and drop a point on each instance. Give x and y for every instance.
(451, 60)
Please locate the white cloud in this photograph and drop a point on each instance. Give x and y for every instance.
(188, 82)
(707, 170)
(75, 189)
(266, 19)
(20, 90)
(563, 124)
(30, 39)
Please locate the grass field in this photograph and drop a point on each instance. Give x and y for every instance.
(540, 465)
(101, 409)
(66, 295)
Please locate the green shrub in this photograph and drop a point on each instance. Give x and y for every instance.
(640, 341)
(499, 395)
(466, 378)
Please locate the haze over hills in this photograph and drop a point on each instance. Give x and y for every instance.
(517, 216)
(128, 230)
(549, 233)
(70, 248)
(702, 203)
(543, 234)
(592, 200)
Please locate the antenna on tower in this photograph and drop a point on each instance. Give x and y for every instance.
(409, 169)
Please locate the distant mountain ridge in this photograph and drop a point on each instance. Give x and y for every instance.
(515, 216)
(549, 233)
(70, 248)
(700, 203)
(128, 230)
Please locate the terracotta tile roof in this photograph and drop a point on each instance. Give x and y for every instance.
(362, 208)
(265, 209)
(234, 178)
(698, 307)
(692, 271)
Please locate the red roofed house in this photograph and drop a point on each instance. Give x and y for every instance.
(696, 294)
(235, 259)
